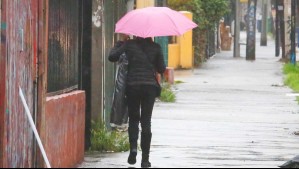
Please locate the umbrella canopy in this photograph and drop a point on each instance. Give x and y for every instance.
(154, 21)
(294, 163)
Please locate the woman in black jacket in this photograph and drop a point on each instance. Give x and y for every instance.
(145, 59)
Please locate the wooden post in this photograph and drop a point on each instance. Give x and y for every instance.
(251, 30)
(43, 18)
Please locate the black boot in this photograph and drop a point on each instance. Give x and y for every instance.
(145, 162)
(145, 146)
(132, 156)
(133, 137)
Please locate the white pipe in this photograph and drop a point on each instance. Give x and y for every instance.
(34, 128)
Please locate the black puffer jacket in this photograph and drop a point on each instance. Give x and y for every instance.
(140, 71)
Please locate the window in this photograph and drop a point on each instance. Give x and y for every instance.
(63, 52)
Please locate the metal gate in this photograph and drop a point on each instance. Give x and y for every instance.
(64, 46)
(211, 43)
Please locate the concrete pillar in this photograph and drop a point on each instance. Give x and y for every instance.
(97, 61)
(186, 50)
(144, 3)
(174, 55)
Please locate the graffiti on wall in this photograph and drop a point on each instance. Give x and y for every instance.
(18, 34)
(3, 27)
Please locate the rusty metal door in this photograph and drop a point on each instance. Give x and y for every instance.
(19, 50)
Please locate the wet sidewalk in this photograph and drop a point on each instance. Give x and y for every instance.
(229, 113)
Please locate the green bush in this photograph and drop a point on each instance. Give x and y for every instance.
(292, 77)
(108, 141)
(167, 95)
(290, 68)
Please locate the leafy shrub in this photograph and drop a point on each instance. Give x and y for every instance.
(167, 95)
(108, 141)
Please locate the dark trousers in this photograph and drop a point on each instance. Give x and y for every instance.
(141, 101)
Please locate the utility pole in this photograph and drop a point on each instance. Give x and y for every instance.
(264, 23)
(277, 30)
(280, 11)
(251, 30)
(293, 32)
(237, 30)
(287, 31)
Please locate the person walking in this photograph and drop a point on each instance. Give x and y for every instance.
(145, 59)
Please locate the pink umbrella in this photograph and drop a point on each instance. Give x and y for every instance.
(154, 21)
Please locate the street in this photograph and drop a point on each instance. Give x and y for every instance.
(229, 113)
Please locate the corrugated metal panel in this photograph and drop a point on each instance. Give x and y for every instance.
(20, 44)
(64, 45)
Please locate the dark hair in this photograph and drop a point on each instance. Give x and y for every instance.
(144, 39)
